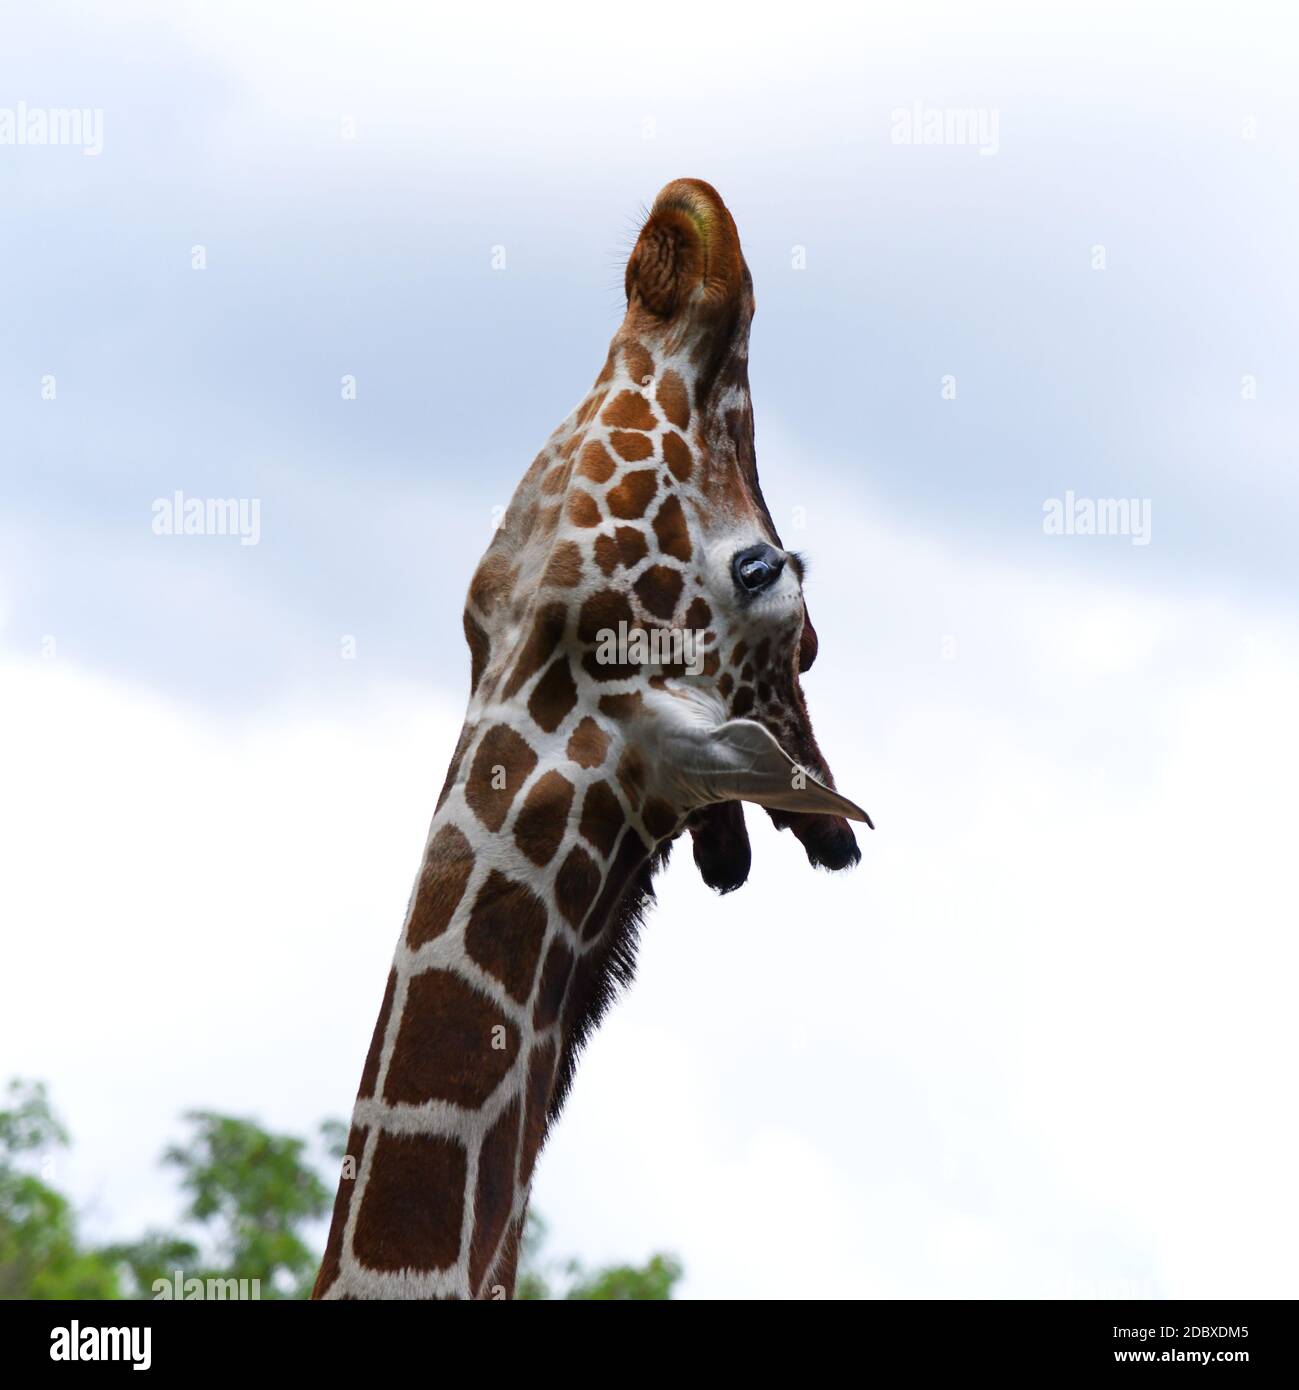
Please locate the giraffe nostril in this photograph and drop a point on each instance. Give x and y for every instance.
(756, 567)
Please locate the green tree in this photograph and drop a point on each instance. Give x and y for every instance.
(251, 1192)
(250, 1195)
(654, 1280)
(40, 1256)
(156, 1255)
(539, 1278)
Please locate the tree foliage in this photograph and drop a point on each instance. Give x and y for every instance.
(252, 1199)
(253, 1191)
(540, 1278)
(40, 1256)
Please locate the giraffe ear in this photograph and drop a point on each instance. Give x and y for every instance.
(741, 761)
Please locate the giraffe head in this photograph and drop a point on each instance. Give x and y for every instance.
(637, 589)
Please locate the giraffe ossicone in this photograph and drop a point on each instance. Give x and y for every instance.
(580, 762)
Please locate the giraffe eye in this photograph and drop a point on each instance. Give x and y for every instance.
(757, 567)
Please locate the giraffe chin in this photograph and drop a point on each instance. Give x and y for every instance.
(723, 855)
(722, 852)
(828, 841)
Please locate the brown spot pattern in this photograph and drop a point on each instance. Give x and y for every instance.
(621, 707)
(658, 589)
(480, 649)
(554, 481)
(501, 748)
(370, 1072)
(410, 1213)
(631, 496)
(505, 932)
(492, 583)
(595, 463)
(602, 817)
(639, 363)
(553, 696)
(631, 776)
(672, 397)
(672, 532)
(444, 1048)
(541, 821)
(494, 1194)
(582, 508)
(564, 568)
(676, 453)
(541, 1071)
(627, 547)
(447, 866)
(329, 1266)
(554, 980)
(629, 410)
(698, 615)
(589, 744)
(604, 610)
(546, 634)
(631, 446)
(632, 853)
(576, 885)
(463, 744)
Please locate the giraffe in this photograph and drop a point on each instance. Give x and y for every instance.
(636, 636)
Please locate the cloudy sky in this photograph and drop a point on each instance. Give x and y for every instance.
(1042, 1042)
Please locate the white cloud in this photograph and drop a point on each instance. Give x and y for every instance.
(199, 913)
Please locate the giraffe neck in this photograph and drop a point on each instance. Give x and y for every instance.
(521, 923)
(523, 919)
